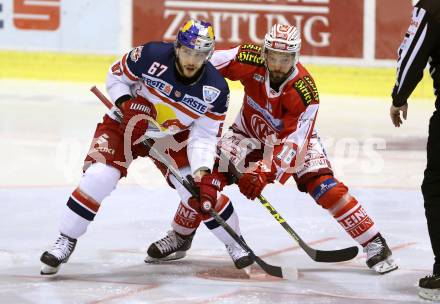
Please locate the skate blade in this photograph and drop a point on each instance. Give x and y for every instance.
(49, 270)
(430, 294)
(174, 256)
(385, 266)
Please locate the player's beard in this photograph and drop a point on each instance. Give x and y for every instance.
(278, 77)
(183, 77)
(180, 68)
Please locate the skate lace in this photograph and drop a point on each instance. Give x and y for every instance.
(62, 248)
(373, 248)
(170, 242)
(236, 252)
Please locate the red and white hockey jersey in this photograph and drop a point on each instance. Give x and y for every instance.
(288, 115)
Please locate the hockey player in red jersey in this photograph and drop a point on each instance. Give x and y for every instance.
(171, 95)
(273, 138)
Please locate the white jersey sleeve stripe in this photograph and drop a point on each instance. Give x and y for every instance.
(412, 56)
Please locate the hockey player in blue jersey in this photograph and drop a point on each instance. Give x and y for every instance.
(170, 95)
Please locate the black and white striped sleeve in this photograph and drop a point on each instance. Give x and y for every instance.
(414, 53)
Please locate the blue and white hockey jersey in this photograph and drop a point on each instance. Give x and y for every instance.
(149, 71)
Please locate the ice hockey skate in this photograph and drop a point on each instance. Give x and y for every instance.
(241, 257)
(57, 255)
(379, 256)
(430, 287)
(172, 247)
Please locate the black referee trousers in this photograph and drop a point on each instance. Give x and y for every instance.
(431, 187)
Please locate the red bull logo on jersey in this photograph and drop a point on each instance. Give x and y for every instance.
(173, 125)
(158, 84)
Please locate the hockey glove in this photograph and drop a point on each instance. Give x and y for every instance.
(136, 112)
(209, 185)
(252, 183)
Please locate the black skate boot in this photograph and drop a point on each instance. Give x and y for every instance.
(241, 257)
(58, 254)
(172, 247)
(430, 287)
(379, 256)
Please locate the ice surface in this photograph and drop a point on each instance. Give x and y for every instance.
(45, 129)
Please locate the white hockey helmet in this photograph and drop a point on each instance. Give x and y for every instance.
(283, 38)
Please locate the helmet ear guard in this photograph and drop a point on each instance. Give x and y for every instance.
(196, 35)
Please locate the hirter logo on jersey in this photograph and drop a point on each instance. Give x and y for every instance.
(210, 94)
(312, 85)
(135, 54)
(251, 47)
(303, 91)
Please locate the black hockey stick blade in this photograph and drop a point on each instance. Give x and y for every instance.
(324, 256)
(332, 256)
(274, 271)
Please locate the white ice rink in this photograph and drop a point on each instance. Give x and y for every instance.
(45, 130)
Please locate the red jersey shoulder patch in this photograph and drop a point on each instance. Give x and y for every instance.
(250, 54)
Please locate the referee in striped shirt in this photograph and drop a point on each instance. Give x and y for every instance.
(421, 46)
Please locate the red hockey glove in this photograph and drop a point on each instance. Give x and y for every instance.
(209, 185)
(252, 183)
(136, 111)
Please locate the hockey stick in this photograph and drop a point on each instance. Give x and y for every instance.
(272, 270)
(328, 256)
